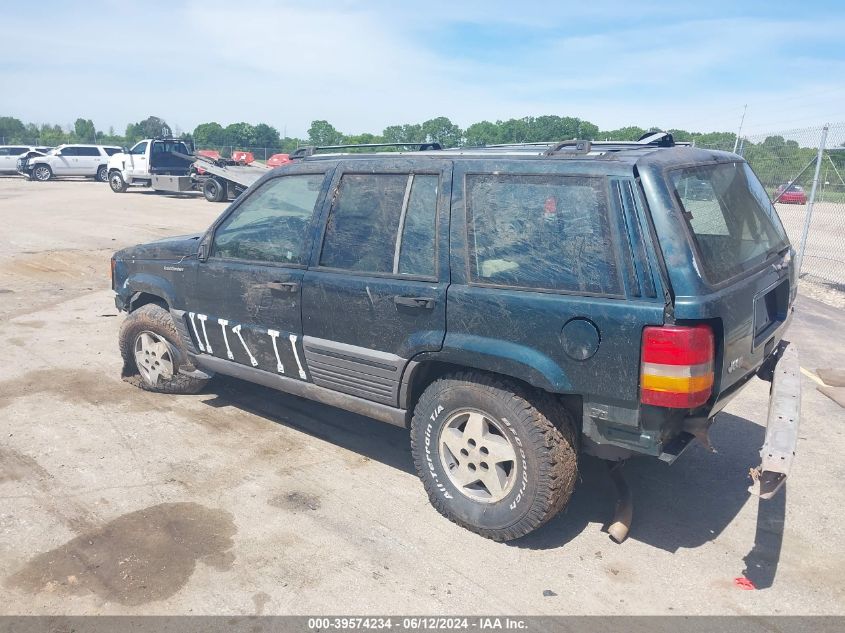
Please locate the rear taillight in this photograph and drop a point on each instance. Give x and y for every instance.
(677, 366)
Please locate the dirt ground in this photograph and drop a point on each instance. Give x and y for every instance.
(241, 500)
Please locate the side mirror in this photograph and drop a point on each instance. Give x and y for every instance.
(202, 253)
(58, 152)
(124, 150)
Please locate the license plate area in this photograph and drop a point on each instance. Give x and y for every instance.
(770, 311)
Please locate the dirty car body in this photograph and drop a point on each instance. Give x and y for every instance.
(625, 292)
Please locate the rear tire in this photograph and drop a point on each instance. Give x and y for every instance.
(102, 174)
(117, 183)
(493, 456)
(42, 173)
(214, 190)
(152, 352)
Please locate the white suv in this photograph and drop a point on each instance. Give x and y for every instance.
(69, 160)
(9, 156)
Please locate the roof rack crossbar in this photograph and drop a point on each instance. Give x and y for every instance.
(310, 150)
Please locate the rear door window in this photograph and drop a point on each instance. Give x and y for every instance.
(544, 232)
(732, 222)
(383, 223)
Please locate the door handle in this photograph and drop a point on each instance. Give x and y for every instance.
(283, 286)
(414, 302)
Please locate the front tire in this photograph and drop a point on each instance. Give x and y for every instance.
(42, 173)
(102, 174)
(152, 352)
(117, 183)
(494, 458)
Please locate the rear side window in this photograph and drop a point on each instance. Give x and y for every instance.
(87, 151)
(731, 220)
(271, 225)
(383, 223)
(541, 232)
(111, 151)
(12, 151)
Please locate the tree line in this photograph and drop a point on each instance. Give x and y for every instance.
(246, 135)
(774, 158)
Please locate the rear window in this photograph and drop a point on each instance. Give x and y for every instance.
(541, 232)
(731, 219)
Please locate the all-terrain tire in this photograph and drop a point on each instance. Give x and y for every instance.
(116, 182)
(102, 174)
(152, 318)
(536, 425)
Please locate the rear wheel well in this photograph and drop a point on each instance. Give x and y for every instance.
(144, 298)
(428, 371)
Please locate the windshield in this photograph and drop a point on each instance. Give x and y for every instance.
(732, 221)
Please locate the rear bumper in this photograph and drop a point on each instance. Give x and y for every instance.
(782, 425)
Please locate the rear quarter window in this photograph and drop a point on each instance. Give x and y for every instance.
(544, 232)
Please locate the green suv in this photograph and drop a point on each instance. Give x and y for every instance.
(515, 307)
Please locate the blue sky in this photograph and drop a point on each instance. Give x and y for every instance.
(366, 65)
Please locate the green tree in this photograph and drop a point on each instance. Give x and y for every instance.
(209, 135)
(12, 130)
(407, 133)
(442, 130)
(266, 136)
(150, 127)
(84, 131)
(630, 133)
(240, 135)
(323, 133)
(482, 133)
(52, 135)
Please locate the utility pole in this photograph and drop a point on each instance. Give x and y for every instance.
(739, 132)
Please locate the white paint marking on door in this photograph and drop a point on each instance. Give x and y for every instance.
(202, 318)
(237, 330)
(191, 315)
(274, 334)
(223, 323)
(296, 356)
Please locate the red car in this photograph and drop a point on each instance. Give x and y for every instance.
(277, 160)
(791, 195)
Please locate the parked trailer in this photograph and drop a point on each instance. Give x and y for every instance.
(167, 165)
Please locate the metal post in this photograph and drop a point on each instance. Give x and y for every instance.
(809, 214)
(741, 121)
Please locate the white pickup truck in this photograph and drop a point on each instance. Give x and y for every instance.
(147, 159)
(168, 165)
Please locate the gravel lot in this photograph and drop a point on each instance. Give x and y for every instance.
(241, 500)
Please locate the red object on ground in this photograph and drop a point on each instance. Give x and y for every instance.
(243, 157)
(743, 583)
(277, 160)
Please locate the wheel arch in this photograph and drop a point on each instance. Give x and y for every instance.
(427, 368)
(145, 288)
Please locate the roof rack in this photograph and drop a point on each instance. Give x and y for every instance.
(310, 150)
(650, 139)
